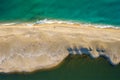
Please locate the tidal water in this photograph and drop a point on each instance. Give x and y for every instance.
(87, 11)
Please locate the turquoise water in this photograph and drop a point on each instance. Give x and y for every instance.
(74, 68)
(90, 11)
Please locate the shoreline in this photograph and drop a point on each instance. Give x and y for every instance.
(43, 46)
(53, 21)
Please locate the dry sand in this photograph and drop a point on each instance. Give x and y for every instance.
(26, 48)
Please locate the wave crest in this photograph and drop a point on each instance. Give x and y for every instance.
(47, 21)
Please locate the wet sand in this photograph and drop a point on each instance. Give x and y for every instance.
(26, 48)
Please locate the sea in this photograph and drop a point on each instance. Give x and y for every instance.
(74, 67)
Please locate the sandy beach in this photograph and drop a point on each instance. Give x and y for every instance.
(26, 48)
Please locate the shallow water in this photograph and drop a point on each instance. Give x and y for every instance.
(74, 67)
(90, 11)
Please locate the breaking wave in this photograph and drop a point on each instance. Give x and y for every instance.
(47, 21)
(50, 21)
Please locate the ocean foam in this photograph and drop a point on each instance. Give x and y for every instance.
(8, 24)
(47, 21)
(50, 21)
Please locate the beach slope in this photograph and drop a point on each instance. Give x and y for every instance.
(26, 48)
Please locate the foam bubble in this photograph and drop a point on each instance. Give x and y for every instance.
(8, 24)
(46, 21)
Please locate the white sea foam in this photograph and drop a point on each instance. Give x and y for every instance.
(30, 24)
(46, 21)
(49, 21)
(107, 26)
(8, 24)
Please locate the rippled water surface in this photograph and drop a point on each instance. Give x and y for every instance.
(90, 11)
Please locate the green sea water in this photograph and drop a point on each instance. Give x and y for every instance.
(74, 67)
(90, 11)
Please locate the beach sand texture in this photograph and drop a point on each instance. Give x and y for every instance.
(25, 48)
